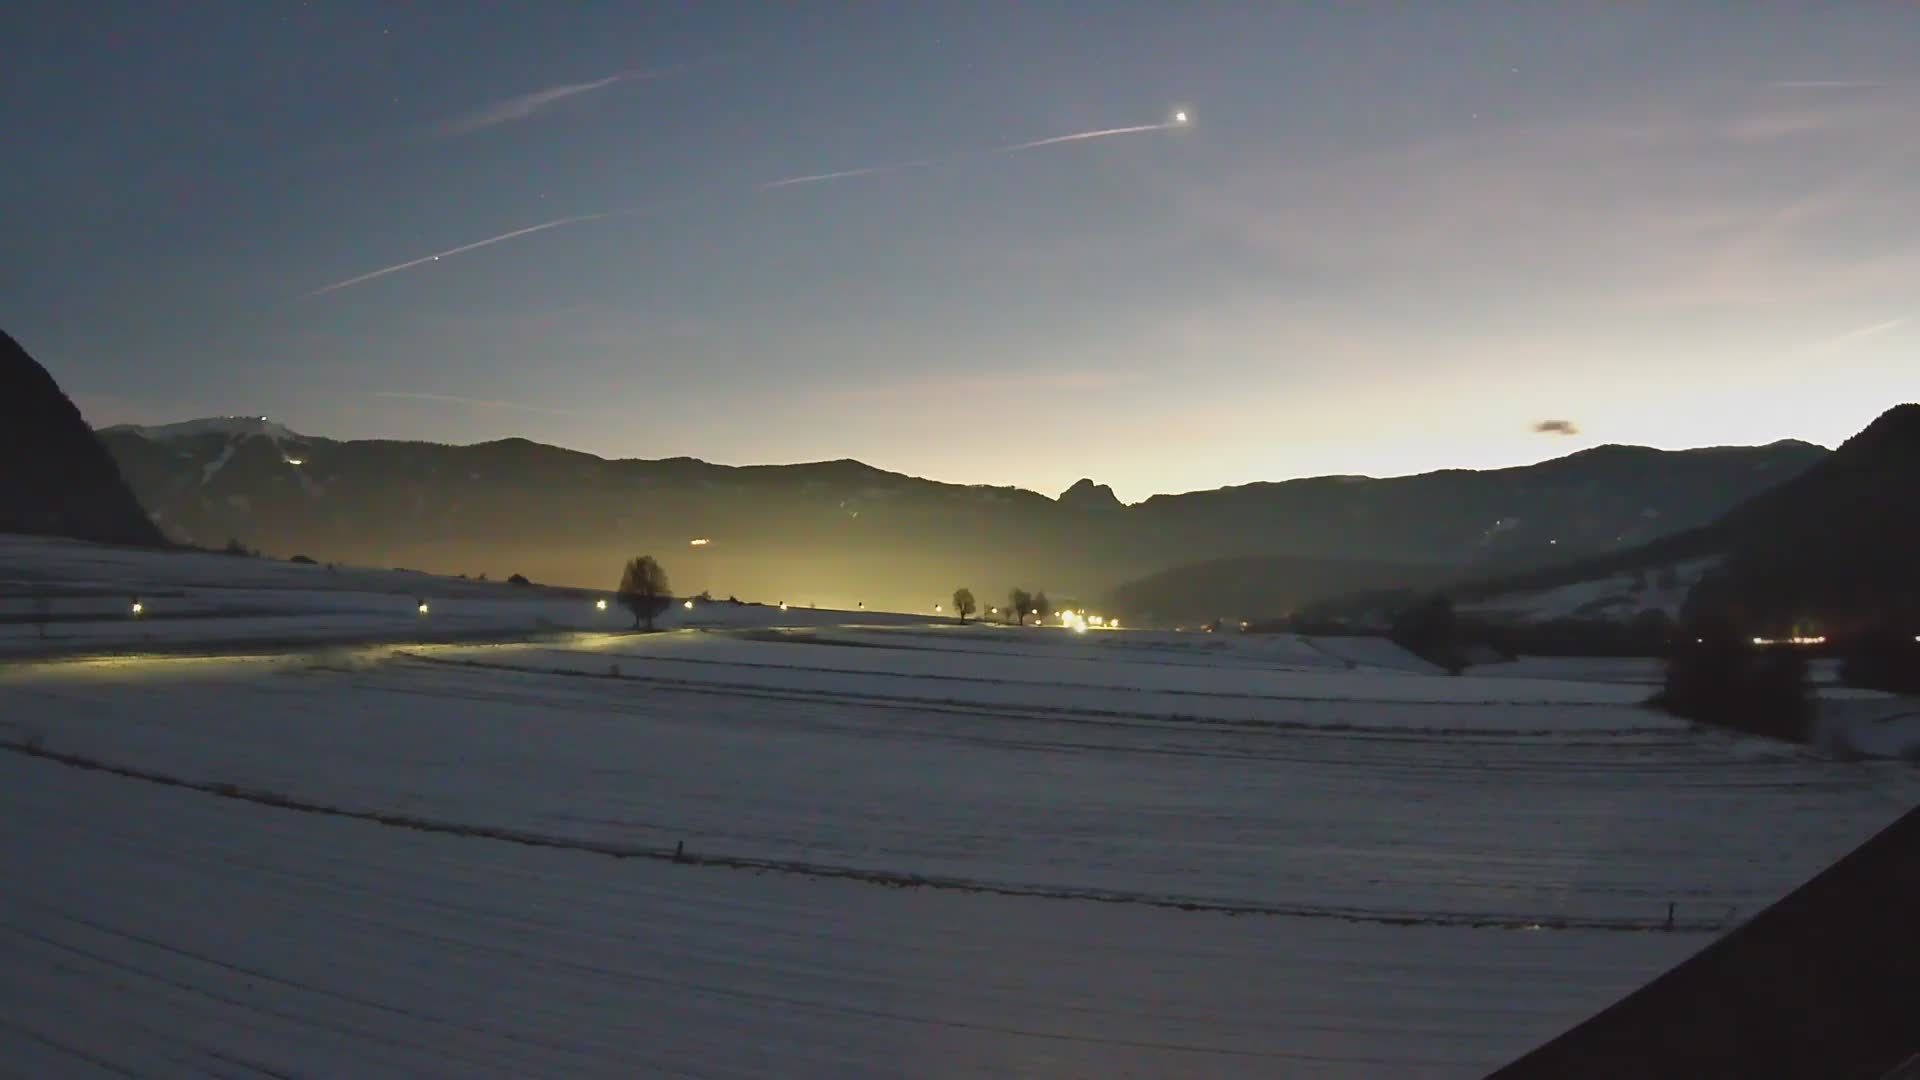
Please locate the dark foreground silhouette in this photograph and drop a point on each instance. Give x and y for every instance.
(1825, 983)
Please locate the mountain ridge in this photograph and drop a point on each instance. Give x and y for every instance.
(247, 425)
(845, 532)
(1831, 546)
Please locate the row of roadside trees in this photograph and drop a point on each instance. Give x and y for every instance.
(1021, 605)
(645, 592)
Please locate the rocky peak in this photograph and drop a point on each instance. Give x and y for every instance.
(1087, 495)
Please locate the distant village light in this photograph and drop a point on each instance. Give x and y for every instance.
(600, 604)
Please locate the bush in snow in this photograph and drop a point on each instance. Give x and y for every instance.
(1717, 676)
(1429, 631)
(1883, 660)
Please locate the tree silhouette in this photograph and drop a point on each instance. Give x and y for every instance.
(1041, 608)
(1018, 601)
(963, 603)
(644, 590)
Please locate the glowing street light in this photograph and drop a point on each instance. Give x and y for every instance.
(688, 605)
(423, 607)
(783, 605)
(699, 541)
(936, 609)
(137, 608)
(600, 605)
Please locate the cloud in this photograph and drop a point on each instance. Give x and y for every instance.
(1856, 336)
(527, 105)
(1825, 84)
(1728, 209)
(971, 388)
(455, 399)
(1556, 427)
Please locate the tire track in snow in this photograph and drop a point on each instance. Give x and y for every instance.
(872, 875)
(1069, 713)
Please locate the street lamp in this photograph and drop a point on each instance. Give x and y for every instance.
(600, 605)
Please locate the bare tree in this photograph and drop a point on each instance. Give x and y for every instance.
(644, 590)
(1018, 601)
(1041, 608)
(963, 603)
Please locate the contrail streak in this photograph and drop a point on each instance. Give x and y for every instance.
(1012, 148)
(525, 106)
(1076, 137)
(489, 241)
(767, 185)
(843, 174)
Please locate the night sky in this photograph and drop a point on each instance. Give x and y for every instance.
(1388, 241)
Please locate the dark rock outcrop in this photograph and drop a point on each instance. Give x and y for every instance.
(56, 479)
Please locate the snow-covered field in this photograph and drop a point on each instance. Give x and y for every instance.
(905, 848)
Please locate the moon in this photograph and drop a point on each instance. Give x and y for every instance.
(1180, 117)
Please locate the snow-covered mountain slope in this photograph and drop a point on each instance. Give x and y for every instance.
(210, 425)
(1613, 597)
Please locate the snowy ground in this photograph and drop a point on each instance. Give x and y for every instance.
(1616, 596)
(909, 849)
